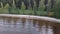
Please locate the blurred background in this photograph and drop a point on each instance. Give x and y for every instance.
(50, 8)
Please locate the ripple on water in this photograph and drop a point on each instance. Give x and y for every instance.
(12, 26)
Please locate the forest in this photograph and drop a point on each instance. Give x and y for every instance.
(50, 8)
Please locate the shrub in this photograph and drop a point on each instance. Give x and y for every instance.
(56, 9)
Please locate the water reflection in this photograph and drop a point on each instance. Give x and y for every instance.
(22, 26)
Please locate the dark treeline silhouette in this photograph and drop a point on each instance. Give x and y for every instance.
(45, 3)
(26, 3)
(18, 3)
(0, 5)
(6, 1)
(52, 3)
(37, 3)
(32, 3)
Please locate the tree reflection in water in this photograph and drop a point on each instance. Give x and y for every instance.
(23, 26)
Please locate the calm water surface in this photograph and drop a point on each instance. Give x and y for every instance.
(22, 26)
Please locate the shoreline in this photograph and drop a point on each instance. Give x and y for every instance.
(32, 17)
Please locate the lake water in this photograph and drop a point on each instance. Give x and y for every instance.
(23, 26)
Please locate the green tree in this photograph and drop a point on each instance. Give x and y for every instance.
(56, 9)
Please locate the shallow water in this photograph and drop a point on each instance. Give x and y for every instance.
(22, 26)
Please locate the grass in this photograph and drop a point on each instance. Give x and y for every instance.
(25, 12)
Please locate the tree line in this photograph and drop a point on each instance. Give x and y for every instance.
(18, 3)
